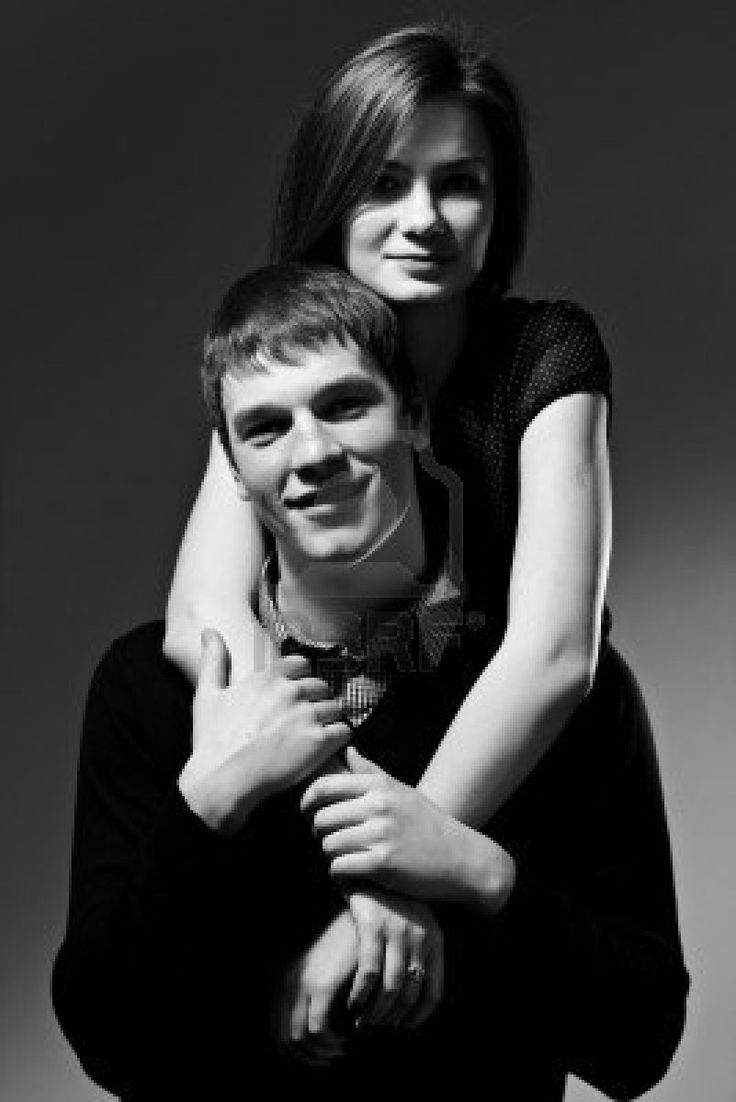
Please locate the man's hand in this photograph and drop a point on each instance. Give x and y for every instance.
(262, 733)
(392, 950)
(374, 827)
(309, 993)
(400, 970)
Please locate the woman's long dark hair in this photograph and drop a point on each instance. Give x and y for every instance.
(343, 139)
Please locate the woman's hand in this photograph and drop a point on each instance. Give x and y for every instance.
(400, 970)
(374, 827)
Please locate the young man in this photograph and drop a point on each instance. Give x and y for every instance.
(196, 882)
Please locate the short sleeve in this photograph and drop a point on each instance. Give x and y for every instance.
(559, 352)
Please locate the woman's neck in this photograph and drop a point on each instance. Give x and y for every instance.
(434, 335)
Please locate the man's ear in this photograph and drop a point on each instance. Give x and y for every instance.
(418, 422)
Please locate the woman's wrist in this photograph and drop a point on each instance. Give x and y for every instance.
(211, 794)
(486, 873)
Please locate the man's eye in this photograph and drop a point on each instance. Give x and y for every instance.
(345, 409)
(263, 433)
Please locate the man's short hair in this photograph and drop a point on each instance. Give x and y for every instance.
(284, 310)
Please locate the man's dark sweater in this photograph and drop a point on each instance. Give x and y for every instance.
(177, 937)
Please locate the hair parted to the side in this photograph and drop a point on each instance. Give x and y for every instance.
(344, 137)
(281, 311)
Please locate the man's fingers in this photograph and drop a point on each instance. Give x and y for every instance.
(394, 968)
(354, 839)
(293, 666)
(354, 865)
(214, 662)
(432, 988)
(333, 788)
(312, 688)
(369, 967)
(328, 711)
(333, 737)
(338, 816)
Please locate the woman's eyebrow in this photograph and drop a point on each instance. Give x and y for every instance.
(462, 161)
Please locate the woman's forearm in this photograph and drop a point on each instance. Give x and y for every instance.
(510, 717)
(216, 575)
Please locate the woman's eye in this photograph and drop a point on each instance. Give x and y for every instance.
(386, 186)
(462, 183)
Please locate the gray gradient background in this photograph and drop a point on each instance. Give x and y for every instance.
(146, 141)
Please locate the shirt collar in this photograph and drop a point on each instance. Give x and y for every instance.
(418, 635)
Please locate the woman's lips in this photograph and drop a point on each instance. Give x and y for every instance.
(423, 259)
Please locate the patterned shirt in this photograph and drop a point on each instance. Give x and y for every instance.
(358, 674)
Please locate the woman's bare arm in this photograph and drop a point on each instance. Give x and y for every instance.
(546, 662)
(216, 575)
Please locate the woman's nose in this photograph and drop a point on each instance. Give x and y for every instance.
(419, 211)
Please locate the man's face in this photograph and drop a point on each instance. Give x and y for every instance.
(322, 450)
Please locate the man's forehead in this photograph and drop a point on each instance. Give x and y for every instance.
(265, 379)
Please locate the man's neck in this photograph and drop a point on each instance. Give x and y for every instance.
(336, 602)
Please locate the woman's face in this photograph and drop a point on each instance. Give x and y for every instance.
(420, 234)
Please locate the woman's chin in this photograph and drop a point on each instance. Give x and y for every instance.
(415, 292)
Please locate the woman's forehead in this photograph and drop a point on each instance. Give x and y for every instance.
(443, 129)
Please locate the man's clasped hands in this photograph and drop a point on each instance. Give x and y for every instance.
(392, 849)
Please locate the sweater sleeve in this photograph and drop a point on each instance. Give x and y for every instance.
(145, 873)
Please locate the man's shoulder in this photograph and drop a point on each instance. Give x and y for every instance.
(136, 653)
(136, 680)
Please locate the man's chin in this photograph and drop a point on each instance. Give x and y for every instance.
(338, 548)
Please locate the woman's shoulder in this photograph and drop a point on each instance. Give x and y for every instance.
(528, 328)
(543, 349)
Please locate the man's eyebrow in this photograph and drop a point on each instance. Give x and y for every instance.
(266, 411)
(345, 382)
(244, 418)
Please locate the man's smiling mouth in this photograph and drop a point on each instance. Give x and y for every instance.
(333, 493)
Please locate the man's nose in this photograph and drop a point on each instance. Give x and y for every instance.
(316, 448)
(419, 213)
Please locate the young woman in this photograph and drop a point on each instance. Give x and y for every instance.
(411, 171)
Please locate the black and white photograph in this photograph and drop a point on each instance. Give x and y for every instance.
(369, 551)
